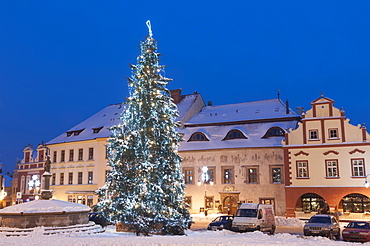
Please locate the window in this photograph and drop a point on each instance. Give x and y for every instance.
(188, 175)
(227, 175)
(333, 133)
(313, 134)
(252, 175)
(71, 154)
(53, 179)
(79, 180)
(27, 157)
(54, 156)
(210, 175)
(62, 155)
(41, 155)
(356, 203)
(80, 154)
(90, 200)
(62, 178)
(274, 132)
(332, 168)
(312, 202)
(91, 153)
(198, 136)
(97, 130)
(302, 169)
(276, 175)
(209, 202)
(235, 134)
(90, 178)
(70, 178)
(187, 200)
(358, 167)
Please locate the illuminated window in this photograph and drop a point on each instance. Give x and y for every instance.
(188, 175)
(358, 167)
(332, 168)
(227, 175)
(276, 174)
(252, 175)
(302, 169)
(90, 178)
(356, 203)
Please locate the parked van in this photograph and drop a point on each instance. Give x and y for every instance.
(254, 217)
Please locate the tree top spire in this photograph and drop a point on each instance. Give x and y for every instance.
(149, 27)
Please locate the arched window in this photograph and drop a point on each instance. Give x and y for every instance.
(235, 134)
(274, 132)
(356, 203)
(312, 202)
(198, 136)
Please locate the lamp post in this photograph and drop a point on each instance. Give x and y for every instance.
(205, 179)
(34, 184)
(367, 184)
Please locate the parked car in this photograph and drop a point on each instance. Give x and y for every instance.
(98, 218)
(221, 222)
(325, 225)
(357, 231)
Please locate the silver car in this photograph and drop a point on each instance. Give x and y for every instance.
(325, 225)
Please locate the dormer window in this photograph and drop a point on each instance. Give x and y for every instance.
(274, 132)
(198, 136)
(234, 134)
(74, 133)
(97, 130)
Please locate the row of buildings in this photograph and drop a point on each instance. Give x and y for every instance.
(260, 152)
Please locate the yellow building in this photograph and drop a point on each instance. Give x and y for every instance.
(326, 163)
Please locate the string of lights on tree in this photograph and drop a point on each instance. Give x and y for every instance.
(145, 187)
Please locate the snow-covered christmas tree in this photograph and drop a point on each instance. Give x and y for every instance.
(145, 189)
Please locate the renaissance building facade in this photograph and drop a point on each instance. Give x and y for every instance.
(327, 164)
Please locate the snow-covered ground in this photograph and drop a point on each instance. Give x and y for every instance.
(200, 238)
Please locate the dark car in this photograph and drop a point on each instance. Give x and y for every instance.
(98, 218)
(357, 231)
(325, 225)
(221, 222)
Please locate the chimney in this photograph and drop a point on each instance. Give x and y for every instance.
(176, 95)
(287, 106)
(209, 103)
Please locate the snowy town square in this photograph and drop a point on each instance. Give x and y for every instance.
(198, 236)
(193, 123)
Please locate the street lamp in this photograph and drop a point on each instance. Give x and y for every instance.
(34, 184)
(205, 179)
(367, 184)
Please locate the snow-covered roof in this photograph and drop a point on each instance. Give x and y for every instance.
(216, 134)
(107, 117)
(104, 119)
(247, 111)
(45, 206)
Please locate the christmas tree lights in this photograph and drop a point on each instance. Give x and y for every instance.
(145, 188)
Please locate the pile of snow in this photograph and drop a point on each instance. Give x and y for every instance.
(288, 222)
(45, 206)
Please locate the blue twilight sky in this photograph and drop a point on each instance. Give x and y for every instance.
(62, 61)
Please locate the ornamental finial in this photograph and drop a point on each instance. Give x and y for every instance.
(149, 27)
